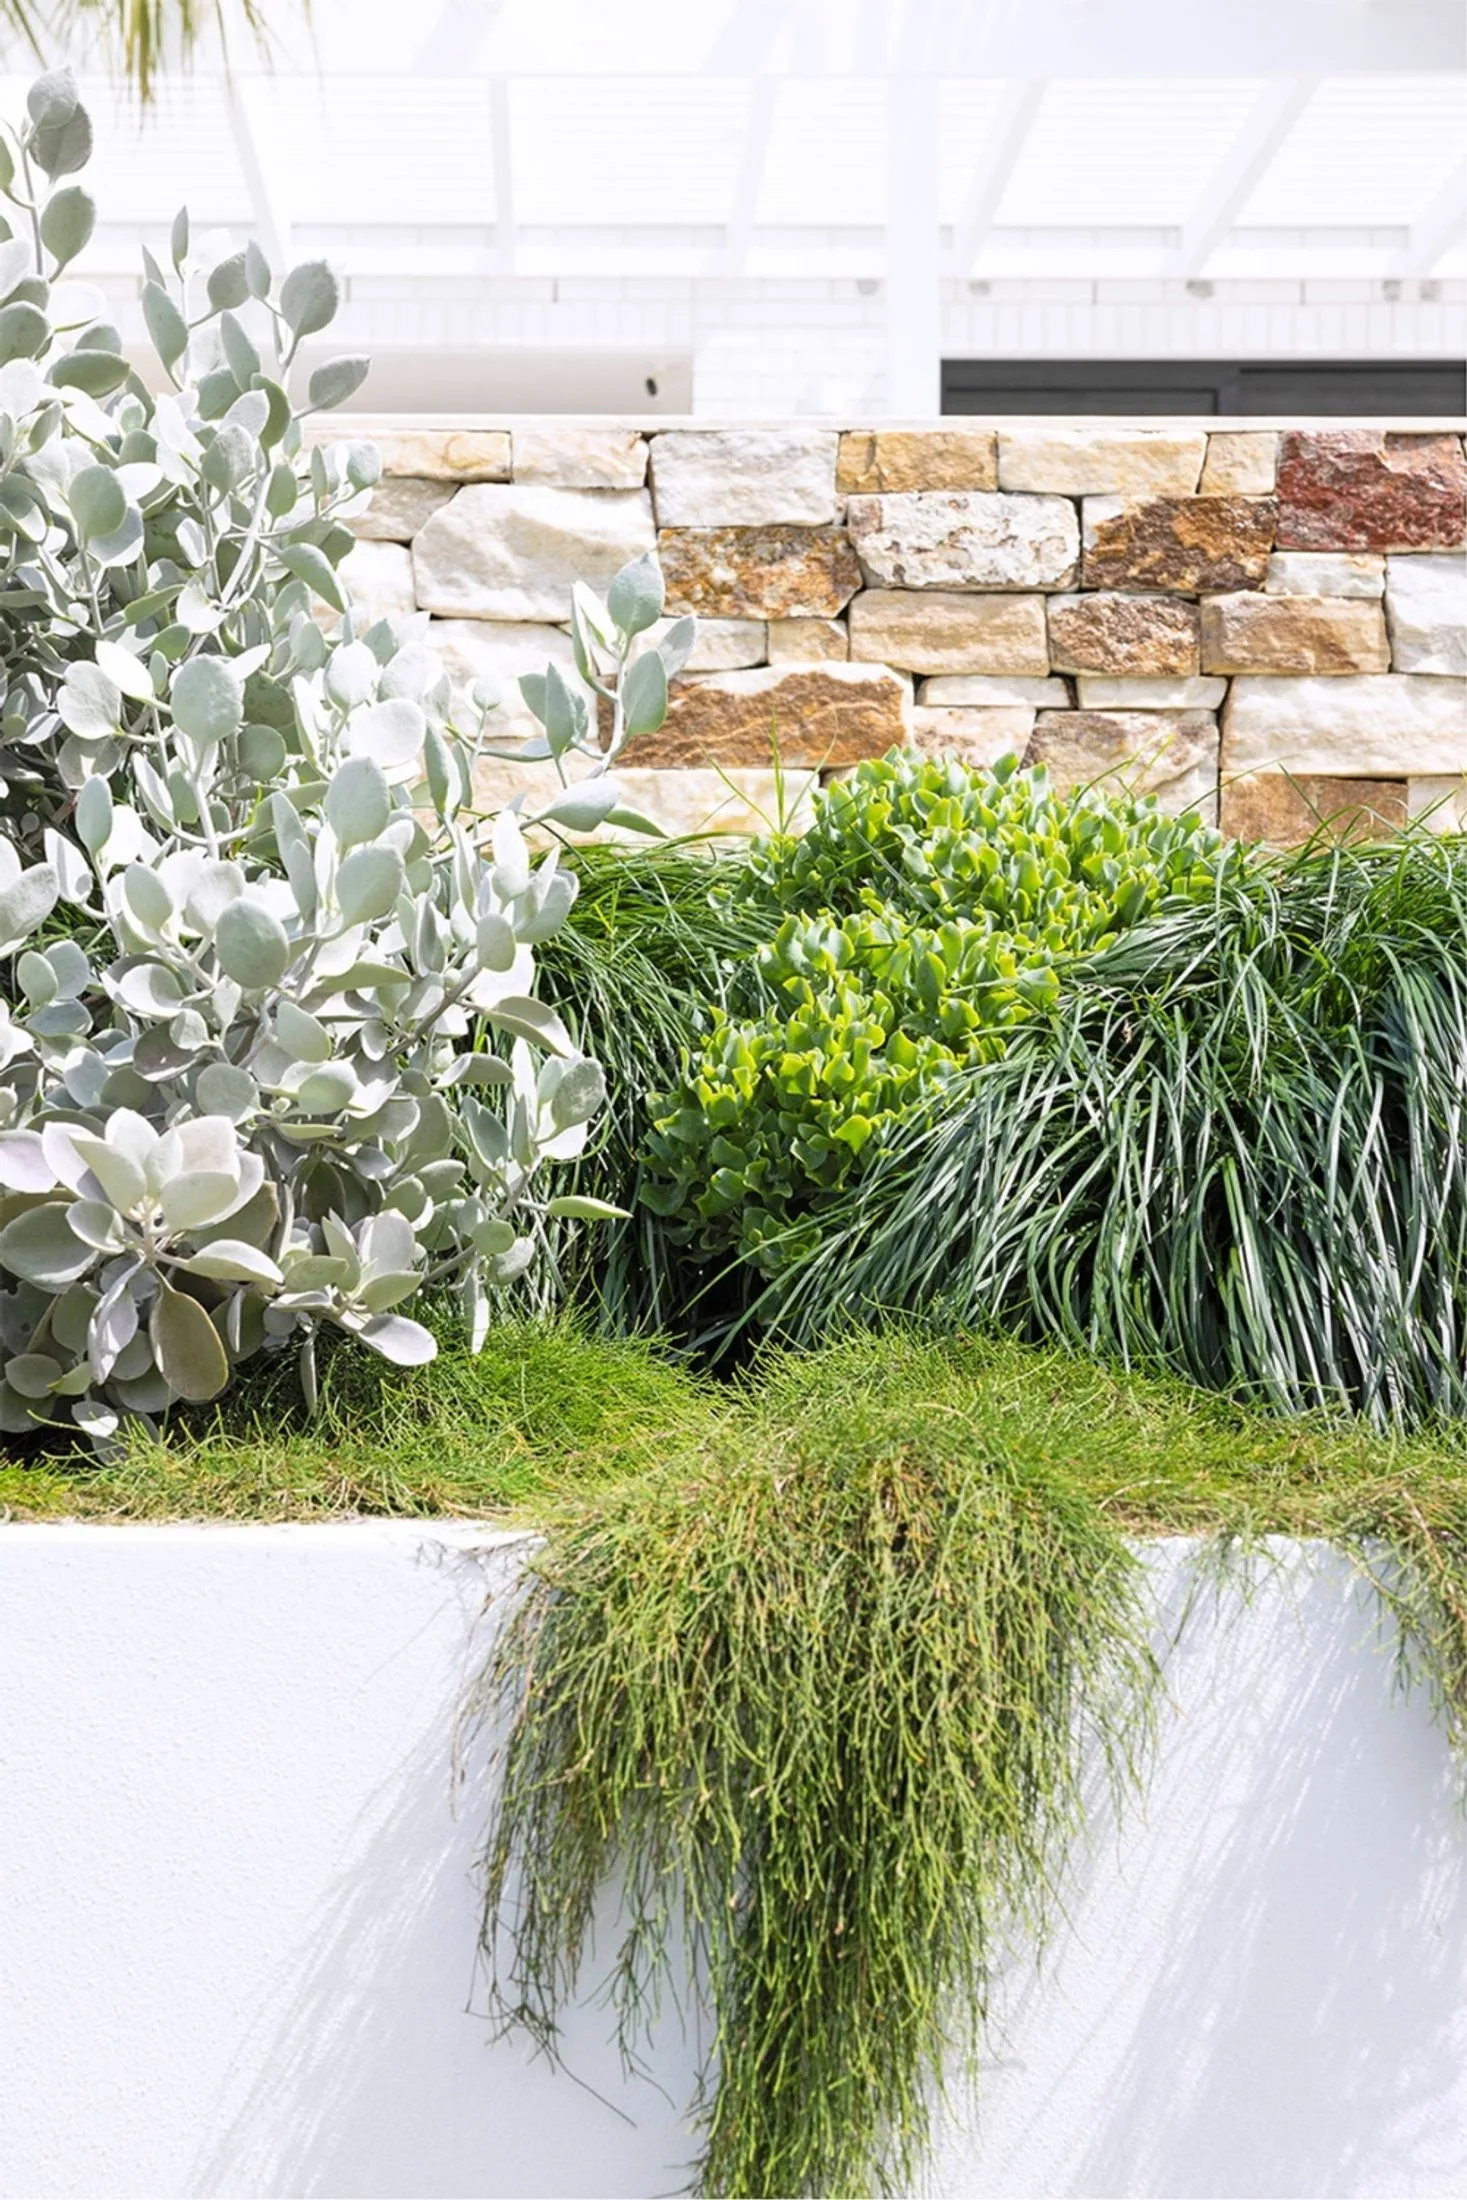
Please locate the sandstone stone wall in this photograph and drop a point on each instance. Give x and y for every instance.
(1268, 624)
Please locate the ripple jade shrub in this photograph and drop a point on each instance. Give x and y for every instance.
(931, 908)
(261, 935)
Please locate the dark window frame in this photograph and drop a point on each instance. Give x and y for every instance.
(1427, 389)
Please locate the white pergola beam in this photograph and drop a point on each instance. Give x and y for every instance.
(501, 153)
(457, 34)
(272, 218)
(751, 174)
(913, 270)
(1233, 182)
(1012, 124)
(1442, 225)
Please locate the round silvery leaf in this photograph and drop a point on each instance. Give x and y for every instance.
(218, 883)
(27, 903)
(147, 989)
(37, 980)
(33, 1374)
(369, 882)
(23, 1163)
(98, 501)
(96, 1223)
(88, 703)
(67, 221)
(406, 1343)
(188, 1348)
(147, 897)
(635, 597)
(262, 754)
(93, 810)
(304, 1038)
(390, 733)
(128, 674)
(207, 702)
(579, 1091)
(309, 297)
(41, 1248)
(251, 945)
(358, 803)
(198, 1197)
(351, 674)
(327, 1090)
(581, 809)
(230, 1260)
(497, 944)
(224, 1089)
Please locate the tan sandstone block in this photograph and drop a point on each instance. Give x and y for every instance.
(1129, 462)
(731, 803)
(1170, 754)
(400, 506)
(580, 458)
(378, 580)
(501, 650)
(929, 630)
(972, 736)
(964, 540)
(1284, 810)
(1426, 605)
(759, 572)
(1195, 545)
(1306, 634)
(896, 459)
(513, 553)
(809, 715)
(1242, 463)
(997, 691)
(1325, 573)
(1384, 725)
(720, 645)
(1439, 804)
(1141, 636)
(1177, 694)
(808, 641)
(744, 477)
(445, 454)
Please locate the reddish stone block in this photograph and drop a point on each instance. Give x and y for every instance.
(1362, 489)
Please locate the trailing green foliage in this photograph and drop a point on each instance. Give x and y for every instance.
(815, 1695)
(1238, 1147)
(823, 1701)
(929, 911)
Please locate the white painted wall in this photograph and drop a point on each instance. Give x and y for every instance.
(237, 1909)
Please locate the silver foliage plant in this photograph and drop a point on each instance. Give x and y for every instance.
(270, 1052)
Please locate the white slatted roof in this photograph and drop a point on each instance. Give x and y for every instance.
(751, 136)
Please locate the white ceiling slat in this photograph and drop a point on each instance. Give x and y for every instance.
(751, 176)
(263, 176)
(501, 152)
(1017, 109)
(1235, 181)
(1439, 227)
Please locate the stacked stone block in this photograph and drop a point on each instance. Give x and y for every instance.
(1268, 626)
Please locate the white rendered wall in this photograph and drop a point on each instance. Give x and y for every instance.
(237, 1909)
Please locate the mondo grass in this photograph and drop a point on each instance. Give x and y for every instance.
(659, 937)
(1238, 1148)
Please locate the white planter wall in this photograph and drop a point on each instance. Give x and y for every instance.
(237, 1907)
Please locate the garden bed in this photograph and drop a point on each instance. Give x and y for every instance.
(241, 1900)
